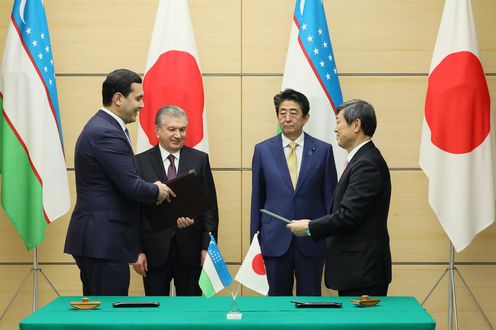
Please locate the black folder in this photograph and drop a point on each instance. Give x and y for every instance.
(191, 201)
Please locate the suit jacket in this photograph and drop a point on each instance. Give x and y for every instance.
(272, 190)
(358, 252)
(106, 219)
(190, 240)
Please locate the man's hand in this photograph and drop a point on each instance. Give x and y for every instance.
(164, 192)
(299, 227)
(141, 265)
(184, 222)
(203, 256)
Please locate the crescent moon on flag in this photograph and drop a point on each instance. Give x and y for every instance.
(21, 10)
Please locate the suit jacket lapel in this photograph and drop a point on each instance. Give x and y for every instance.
(114, 123)
(184, 160)
(308, 157)
(280, 160)
(157, 163)
(346, 173)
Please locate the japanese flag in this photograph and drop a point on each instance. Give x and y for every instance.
(252, 272)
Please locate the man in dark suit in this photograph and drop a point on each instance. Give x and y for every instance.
(358, 254)
(293, 175)
(103, 235)
(176, 253)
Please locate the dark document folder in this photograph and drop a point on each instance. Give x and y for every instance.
(191, 201)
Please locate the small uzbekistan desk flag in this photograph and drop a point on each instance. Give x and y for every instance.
(215, 275)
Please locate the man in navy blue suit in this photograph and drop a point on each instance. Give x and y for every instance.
(104, 232)
(293, 175)
(358, 257)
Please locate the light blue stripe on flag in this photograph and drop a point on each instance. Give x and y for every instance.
(220, 265)
(315, 39)
(30, 20)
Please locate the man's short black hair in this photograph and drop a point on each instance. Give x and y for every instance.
(119, 80)
(292, 95)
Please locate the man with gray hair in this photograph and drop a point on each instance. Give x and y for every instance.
(176, 253)
(358, 258)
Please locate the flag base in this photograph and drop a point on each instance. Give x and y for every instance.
(35, 270)
(234, 315)
(452, 309)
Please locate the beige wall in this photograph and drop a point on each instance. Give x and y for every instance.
(383, 50)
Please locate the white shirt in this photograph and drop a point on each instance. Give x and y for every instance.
(113, 115)
(298, 150)
(354, 151)
(164, 153)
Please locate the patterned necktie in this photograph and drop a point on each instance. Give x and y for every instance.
(292, 163)
(171, 172)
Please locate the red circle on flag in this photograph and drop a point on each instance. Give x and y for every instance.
(258, 264)
(174, 79)
(457, 106)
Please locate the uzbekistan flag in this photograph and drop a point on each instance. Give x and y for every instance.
(311, 69)
(35, 191)
(215, 275)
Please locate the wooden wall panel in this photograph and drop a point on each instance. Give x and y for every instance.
(416, 234)
(398, 102)
(5, 11)
(265, 34)
(229, 199)
(11, 246)
(399, 106)
(383, 50)
(65, 279)
(384, 36)
(392, 34)
(81, 45)
(259, 120)
(95, 37)
(80, 98)
(52, 248)
(217, 27)
(246, 209)
(418, 280)
(223, 95)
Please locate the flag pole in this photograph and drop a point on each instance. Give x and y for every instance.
(35, 269)
(452, 310)
(35, 278)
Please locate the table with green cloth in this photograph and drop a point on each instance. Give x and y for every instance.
(257, 313)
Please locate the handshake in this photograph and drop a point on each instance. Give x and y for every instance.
(164, 192)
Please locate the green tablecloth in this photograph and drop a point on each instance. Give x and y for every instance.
(258, 312)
